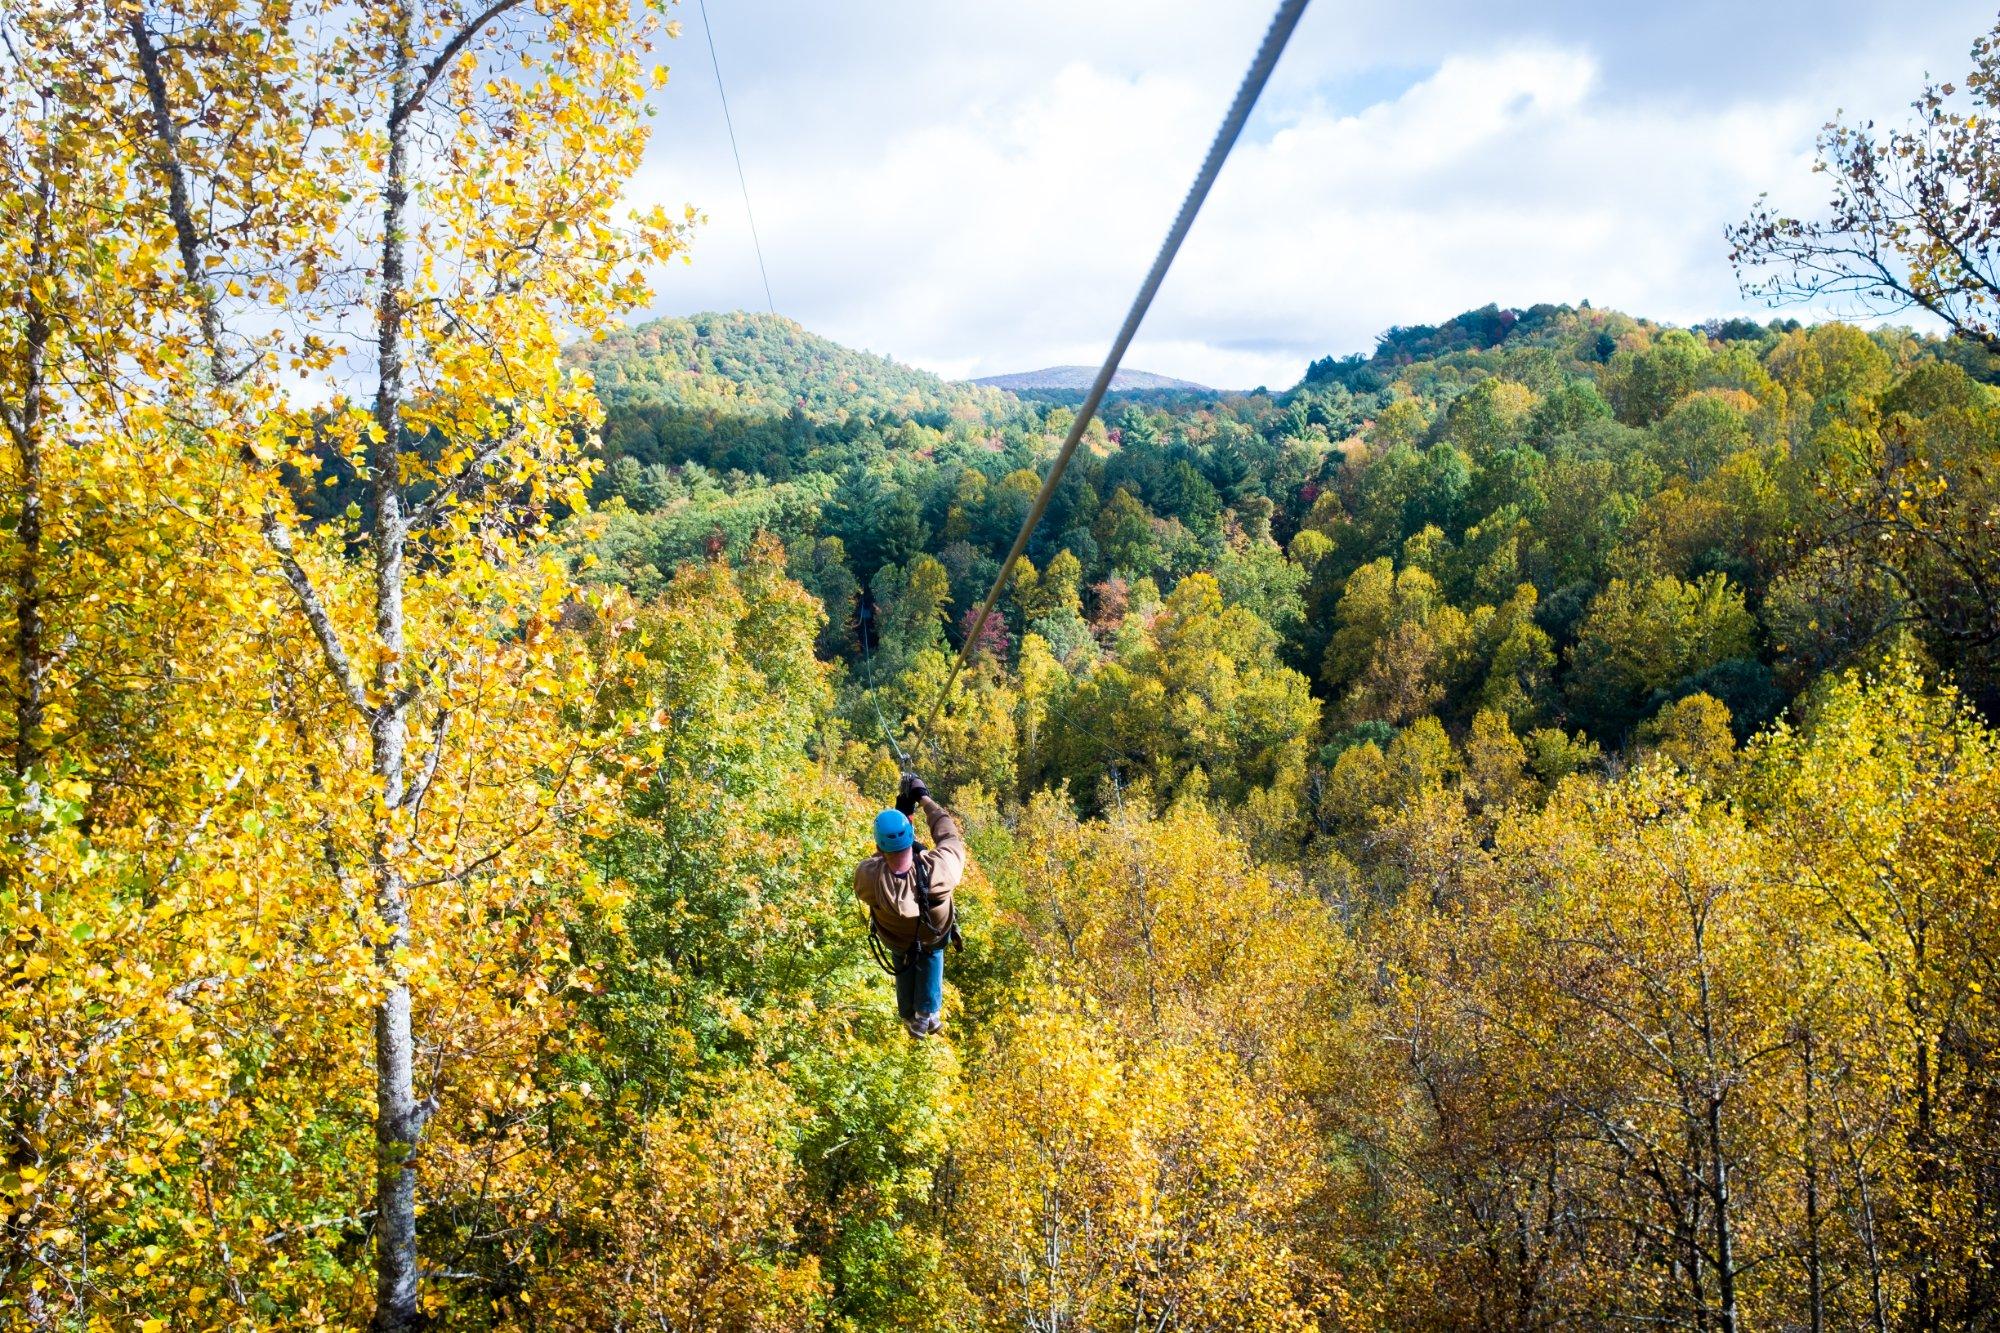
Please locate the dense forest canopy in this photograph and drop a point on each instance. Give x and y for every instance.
(1504, 833)
(1555, 683)
(1570, 514)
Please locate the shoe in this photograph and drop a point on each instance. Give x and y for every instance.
(933, 1024)
(917, 1027)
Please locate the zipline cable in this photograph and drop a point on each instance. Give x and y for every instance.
(1279, 33)
(708, 30)
(861, 620)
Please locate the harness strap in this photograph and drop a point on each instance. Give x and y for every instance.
(926, 937)
(949, 932)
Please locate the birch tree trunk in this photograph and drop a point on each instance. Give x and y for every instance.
(24, 422)
(31, 662)
(417, 50)
(398, 1118)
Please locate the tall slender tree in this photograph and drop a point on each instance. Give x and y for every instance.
(478, 152)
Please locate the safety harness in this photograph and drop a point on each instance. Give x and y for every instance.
(885, 956)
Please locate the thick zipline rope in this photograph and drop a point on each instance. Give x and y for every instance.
(1275, 38)
(708, 29)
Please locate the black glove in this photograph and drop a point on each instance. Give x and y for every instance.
(912, 791)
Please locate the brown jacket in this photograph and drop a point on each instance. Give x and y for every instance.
(892, 898)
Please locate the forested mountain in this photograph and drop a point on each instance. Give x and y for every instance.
(1539, 479)
(1078, 379)
(748, 391)
(760, 363)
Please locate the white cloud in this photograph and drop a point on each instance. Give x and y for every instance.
(993, 212)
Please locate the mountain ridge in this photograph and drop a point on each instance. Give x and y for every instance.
(1078, 379)
(740, 361)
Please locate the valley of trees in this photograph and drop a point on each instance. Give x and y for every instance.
(1502, 834)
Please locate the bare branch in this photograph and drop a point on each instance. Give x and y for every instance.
(422, 786)
(279, 538)
(1911, 220)
(433, 508)
(433, 69)
(179, 205)
(199, 827)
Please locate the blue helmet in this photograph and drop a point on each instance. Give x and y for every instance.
(894, 832)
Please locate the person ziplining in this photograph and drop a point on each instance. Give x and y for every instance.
(907, 890)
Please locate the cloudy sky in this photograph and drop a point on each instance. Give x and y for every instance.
(977, 187)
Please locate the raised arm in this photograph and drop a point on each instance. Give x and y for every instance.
(948, 842)
(944, 828)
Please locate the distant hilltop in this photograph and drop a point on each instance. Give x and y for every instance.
(1078, 379)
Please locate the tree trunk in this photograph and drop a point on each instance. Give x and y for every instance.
(1725, 1233)
(1722, 1225)
(1697, 1273)
(1815, 1274)
(31, 662)
(399, 1121)
(1923, 1143)
(399, 1118)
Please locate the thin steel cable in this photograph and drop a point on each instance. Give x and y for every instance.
(708, 30)
(868, 669)
(1279, 33)
(1112, 753)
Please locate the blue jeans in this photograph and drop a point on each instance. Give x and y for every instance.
(919, 981)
